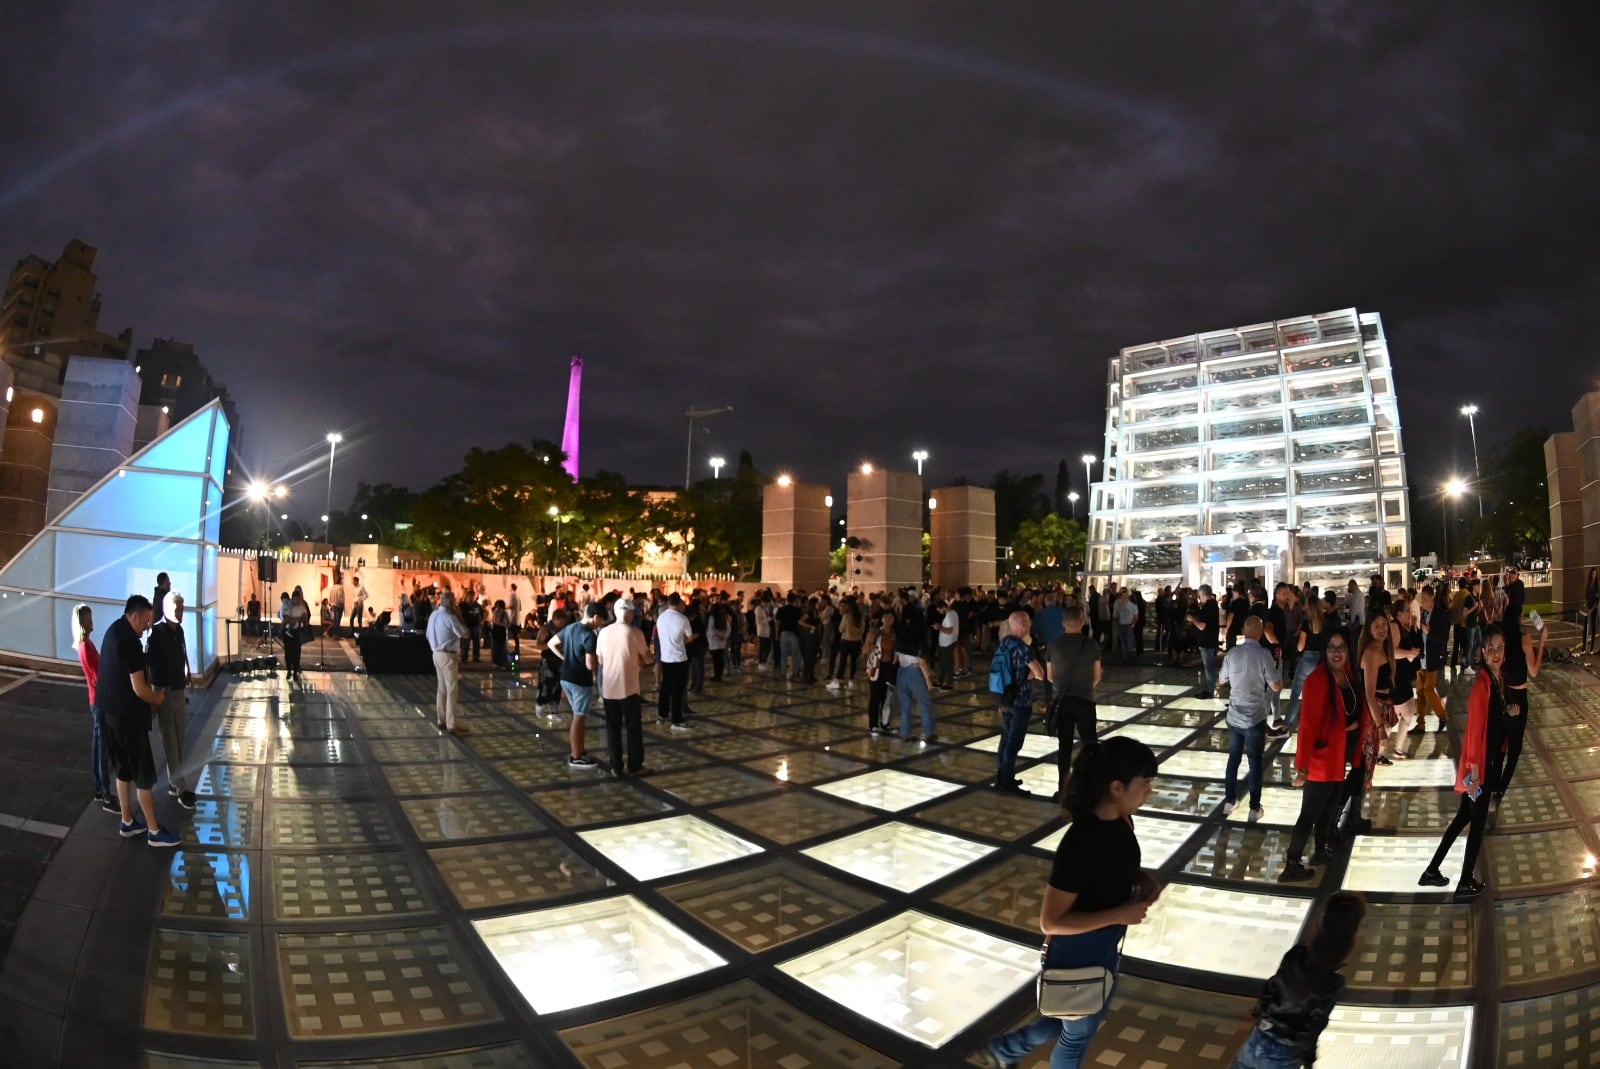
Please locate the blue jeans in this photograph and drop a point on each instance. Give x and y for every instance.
(1013, 732)
(1208, 666)
(1263, 1050)
(97, 754)
(1241, 741)
(1098, 947)
(790, 660)
(912, 686)
(1126, 633)
(1302, 671)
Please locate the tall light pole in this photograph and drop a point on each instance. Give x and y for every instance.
(1453, 490)
(919, 456)
(262, 494)
(716, 467)
(688, 456)
(1471, 412)
(1088, 480)
(555, 514)
(1072, 498)
(334, 438)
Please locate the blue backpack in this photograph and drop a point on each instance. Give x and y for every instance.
(1001, 679)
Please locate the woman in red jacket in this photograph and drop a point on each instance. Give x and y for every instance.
(1478, 773)
(105, 792)
(1331, 715)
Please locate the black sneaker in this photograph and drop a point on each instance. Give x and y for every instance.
(1418, 730)
(582, 761)
(1468, 887)
(1433, 878)
(111, 805)
(1294, 872)
(1278, 730)
(186, 799)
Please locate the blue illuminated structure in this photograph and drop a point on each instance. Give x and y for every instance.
(159, 512)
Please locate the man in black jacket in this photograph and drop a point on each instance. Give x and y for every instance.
(168, 665)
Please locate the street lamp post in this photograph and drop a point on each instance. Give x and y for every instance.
(1453, 490)
(334, 438)
(1072, 498)
(919, 456)
(555, 514)
(1471, 412)
(716, 467)
(688, 456)
(1088, 480)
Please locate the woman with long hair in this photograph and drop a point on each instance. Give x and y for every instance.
(1295, 1005)
(882, 668)
(912, 683)
(1478, 771)
(105, 792)
(1311, 641)
(295, 616)
(1097, 890)
(1407, 649)
(1375, 662)
(852, 626)
(1330, 738)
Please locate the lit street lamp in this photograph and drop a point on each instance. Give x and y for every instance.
(555, 514)
(334, 438)
(1471, 412)
(692, 415)
(1453, 490)
(716, 467)
(919, 456)
(1072, 499)
(1088, 480)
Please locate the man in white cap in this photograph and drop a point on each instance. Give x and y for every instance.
(621, 651)
(167, 659)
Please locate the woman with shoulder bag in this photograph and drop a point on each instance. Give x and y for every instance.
(882, 670)
(1096, 890)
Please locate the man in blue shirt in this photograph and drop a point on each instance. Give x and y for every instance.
(1016, 706)
(445, 632)
(1251, 673)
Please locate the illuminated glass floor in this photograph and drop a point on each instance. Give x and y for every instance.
(355, 889)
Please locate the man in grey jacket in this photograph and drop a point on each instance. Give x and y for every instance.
(1251, 674)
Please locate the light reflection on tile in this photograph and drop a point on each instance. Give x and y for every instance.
(1159, 689)
(1155, 736)
(1213, 930)
(1392, 863)
(1117, 713)
(773, 903)
(1281, 805)
(199, 983)
(899, 855)
(667, 846)
(1433, 772)
(1553, 1032)
(1202, 764)
(1035, 745)
(922, 977)
(591, 952)
(1434, 1038)
(889, 789)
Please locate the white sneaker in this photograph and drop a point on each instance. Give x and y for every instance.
(681, 729)
(1257, 813)
(833, 684)
(1228, 807)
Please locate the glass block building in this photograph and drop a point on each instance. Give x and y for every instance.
(1269, 451)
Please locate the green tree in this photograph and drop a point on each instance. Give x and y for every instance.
(724, 518)
(497, 506)
(611, 523)
(1049, 544)
(1517, 503)
(1016, 498)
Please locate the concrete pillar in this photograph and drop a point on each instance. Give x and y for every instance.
(95, 428)
(794, 536)
(1586, 428)
(1567, 561)
(885, 517)
(962, 542)
(152, 423)
(25, 470)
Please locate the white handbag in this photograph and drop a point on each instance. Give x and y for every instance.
(1072, 994)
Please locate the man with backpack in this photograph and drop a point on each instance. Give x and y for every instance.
(1011, 672)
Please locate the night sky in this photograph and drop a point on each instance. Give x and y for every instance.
(869, 227)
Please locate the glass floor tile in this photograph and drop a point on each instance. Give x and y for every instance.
(1204, 705)
(1435, 1038)
(899, 855)
(321, 824)
(311, 782)
(1202, 764)
(879, 748)
(1432, 772)
(240, 751)
(1168, 690)
(1167, 716)
(1562, 738)
(199, 983)
(889, 789)
(1281, 805)
(667, 846)
(923, 977)
(803, 766)
(1554, 1032)
(1041, 780)
(416, 728)
(223, 824)
(741, 1025)
(516, 872)
(1587, 792)
(1236, 933)
(793, 817)
(591, 952)
(598, 802)
(507, 1056)
(817, 734)
(1547, 938)
(313, 887)
(153, 1060)
(1156, 736)
(1422, 946)
(1246, 853)
(1183, 797)
(771, 904)
(520, 744)
(218, 780)
(1034, 745)
(739, 746)
(469, 816)
(1153, 1024)
(953, 762)
(1411, 809)
(1535, 803)
(1392, 863)
(1570, 763)
(991, 815)
(215, 885)
(1010, 892)
(1159, 839)
(543, 770)
(314, 752)
(1524, 860)
(447, 777)
(346, 984)
(713, 784)
(1118, 714)
(401, 751)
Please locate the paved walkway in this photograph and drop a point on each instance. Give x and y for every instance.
(356, 890)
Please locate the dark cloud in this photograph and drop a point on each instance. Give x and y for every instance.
(867, 227)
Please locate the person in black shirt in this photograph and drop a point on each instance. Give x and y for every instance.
(1295, 1005)
(158, 600)
(1096, 890)
(125, 697)
(791, 655)
(1238, 609)
(167, 663)
(1206, 620)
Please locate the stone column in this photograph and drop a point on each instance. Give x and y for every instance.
(25, 470)
(962, 529)
(794, 536)
(1586, 428)
(95, 429)
(1567, 561)
(885, 517)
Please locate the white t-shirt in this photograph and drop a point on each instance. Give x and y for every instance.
(619, 647)
(673, 632)
(953, 622)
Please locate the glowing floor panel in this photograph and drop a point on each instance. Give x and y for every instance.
(1281, 805)
(1153, 735)
(1158, 839)
(668, 846)
(1034, 745)
(1428, 772)
(899, 855)
(1438, 1037)
(889, 789)
(922, 977)
(1201, 763)
(590, 952)
(1165, 690)
(1392, 863)
(1214, 930)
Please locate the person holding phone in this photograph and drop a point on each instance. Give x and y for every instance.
(1523, 660)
